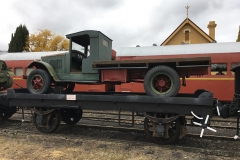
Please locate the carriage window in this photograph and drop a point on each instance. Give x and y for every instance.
(18, 71)
(29, 70)
(219, 69)
(234, 65)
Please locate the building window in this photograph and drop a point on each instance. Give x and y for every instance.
(186, 33)
(187, 36)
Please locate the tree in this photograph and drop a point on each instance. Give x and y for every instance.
(238, 39)
(19, 40)
(46, 40)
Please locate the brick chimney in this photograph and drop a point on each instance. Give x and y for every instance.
(211, 26)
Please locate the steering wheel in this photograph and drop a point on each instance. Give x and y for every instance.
(78, 55)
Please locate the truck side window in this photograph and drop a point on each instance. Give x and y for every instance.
(77, 47)
(88, 51)
(105, 43)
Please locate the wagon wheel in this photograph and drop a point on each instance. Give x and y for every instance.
(47, 123)
(162, 81)
(165, 133)
(38, 82)
(71, 116)
(64, 88)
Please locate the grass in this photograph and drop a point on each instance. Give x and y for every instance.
(49, 147)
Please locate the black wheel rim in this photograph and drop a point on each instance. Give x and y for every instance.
(161, 83)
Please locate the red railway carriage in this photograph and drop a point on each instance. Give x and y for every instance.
(220, 80)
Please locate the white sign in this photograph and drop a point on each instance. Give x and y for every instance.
(71, 97)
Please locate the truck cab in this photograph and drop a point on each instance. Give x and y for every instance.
(76, 65)
(73, 66)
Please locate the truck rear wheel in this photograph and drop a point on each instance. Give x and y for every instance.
(162, 81)
(38, 82)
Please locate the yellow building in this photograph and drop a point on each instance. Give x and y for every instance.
(189, 33)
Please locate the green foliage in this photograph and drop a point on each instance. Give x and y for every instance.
(19, 41)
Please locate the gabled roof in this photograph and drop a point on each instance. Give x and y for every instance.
(187, 21)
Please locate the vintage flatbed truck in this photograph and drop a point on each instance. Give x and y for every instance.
(96, 64)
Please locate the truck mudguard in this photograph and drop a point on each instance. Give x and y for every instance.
(45, 66)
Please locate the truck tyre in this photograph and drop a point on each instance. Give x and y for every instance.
(38, 82)
(162, 81)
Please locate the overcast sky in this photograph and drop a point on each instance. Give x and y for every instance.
(126, 22)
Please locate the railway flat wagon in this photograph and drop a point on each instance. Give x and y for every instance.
(164, 116)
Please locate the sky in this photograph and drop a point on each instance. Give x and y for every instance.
(127, 22)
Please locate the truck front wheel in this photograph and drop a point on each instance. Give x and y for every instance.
(38, 82)
(162, 81)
